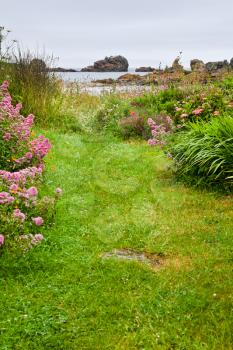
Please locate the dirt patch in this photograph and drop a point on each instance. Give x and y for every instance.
(156, 261)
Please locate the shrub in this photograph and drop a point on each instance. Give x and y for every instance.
(204, 154)
(161, 128)
(134, 125)
(21, 167)
(111, 111)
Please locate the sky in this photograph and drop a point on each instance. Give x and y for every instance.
(146, 32)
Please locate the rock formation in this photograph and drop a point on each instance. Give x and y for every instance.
(197, 65)
(144, 69)
(62, 70)
(231, 63)
(215, 66)
(109, 64)
(176, 66)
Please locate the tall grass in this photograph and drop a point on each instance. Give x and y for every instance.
(204, 154)
(34, 85)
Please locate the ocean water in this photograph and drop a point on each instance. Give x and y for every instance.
(87, 77)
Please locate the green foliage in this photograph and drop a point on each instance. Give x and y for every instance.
(111, 111)
(159, 102)
(204, 154)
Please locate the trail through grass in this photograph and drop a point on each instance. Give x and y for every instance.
(64, 295)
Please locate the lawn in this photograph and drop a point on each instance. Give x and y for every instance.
(65, 295)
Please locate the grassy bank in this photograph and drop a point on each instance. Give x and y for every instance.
(63, 295)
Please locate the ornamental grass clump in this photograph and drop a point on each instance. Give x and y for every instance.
(203, 155)
(21, 168)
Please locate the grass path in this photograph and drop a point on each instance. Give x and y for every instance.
(63, 295)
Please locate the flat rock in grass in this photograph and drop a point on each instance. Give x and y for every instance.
(155, 261)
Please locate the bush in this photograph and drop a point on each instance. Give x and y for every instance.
(111, 111)
(22, 211)
(134, 125)
(204, 154)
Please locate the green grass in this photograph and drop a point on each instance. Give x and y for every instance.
(62, 295)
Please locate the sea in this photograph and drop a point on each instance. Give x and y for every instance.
(87, 77)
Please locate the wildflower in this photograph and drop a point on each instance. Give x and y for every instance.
(2, 239)
(14, 188)
(32, 191)
(216, 113)
(178, 109)
(58, 191)
(184, 115)
(7, 136)
(39, 237)
(197, 111)
(17, 214)
(28, 155)
(38, 221)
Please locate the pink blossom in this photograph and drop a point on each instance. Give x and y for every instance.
(39, 237)
(17, 214)
(14, 188)
(7, 136)
(184, 115)
(197, 111)
(178, 109)
(38, 221)
(5, 198)
(58, 191)
(28, 155)
(2, 239)
(32, 191)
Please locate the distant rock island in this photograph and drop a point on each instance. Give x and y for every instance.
(109, 64)
(61, 70)
(144, 69)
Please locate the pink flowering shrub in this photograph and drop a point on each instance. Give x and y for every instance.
(23, 212)
(18, 149)
(134, 125)
(203, 104)
(160, 130)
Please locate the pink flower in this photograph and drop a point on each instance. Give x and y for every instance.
(28, 155)
(58, 191)
(13, 188)
(39, 237)
(7, 136)
(178, 109)
(38, 221)
(184, 115)
(17, 214)
(10, 199)
(2, 239)
(5, 198)
(32, 191)
(197, 111)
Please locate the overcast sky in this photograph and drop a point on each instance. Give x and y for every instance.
(146, 32)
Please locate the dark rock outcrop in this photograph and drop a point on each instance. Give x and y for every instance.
(108, 81)
(109, 64)
(231, 63)
(197, 65)
(215, 66)
(176, 66)
(144, 69)
(129, 78)
(62, 70)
